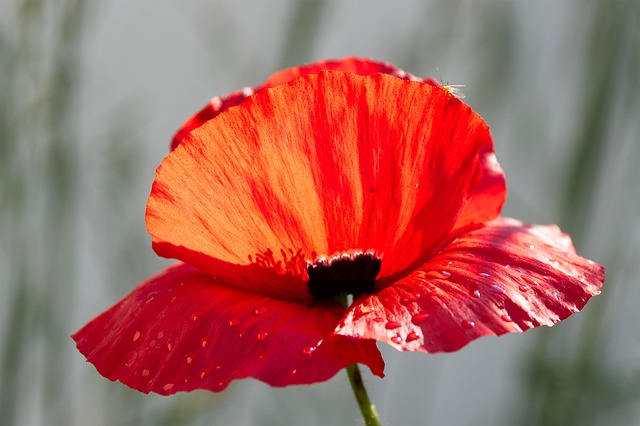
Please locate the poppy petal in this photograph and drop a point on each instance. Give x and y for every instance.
(327, 163)
(488, 194)
(351, 64)
(183, 330)
(505, 276)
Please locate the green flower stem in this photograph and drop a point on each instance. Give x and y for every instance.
(355, 378)
(366, 407)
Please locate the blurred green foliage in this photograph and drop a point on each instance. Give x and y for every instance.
(577, 387)
(39, 173)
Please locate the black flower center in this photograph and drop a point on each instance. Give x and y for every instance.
(343, 274)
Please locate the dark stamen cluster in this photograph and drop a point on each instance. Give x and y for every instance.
(343, 274)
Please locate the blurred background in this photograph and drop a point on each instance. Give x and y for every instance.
(92, 91)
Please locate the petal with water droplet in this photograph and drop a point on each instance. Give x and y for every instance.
(499, 303)
(209, 350)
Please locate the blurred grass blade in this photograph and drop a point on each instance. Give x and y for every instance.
(302, 32)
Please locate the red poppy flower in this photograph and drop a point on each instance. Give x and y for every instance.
(347, 176)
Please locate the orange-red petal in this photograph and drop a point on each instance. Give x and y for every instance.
(358, 66)
(324, 163)
(183, 330)
(506, 276)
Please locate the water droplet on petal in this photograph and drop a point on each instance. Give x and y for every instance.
(131, 356)
(523, 288)
(190, 358)
(484, 275)
(476, 293)
(445, 274)
(412, 336)
(204, 373)
(396, 339)
(204, 341)
(187, 379)
(294, 371)
(497, 289)
(169, 346)
(555, 295)
(506, 318)
(136, 336)
(234, 322)
(145, 372)
(391, 325)
(173, 299)
(529, 280)
(308, 351)
(261, 310)
(196, 316)
(532, 247)
(151, 296)
(160, 334)
(167, 387)
(409, 299)
(418, 319)
(467, 325)
(262, 335)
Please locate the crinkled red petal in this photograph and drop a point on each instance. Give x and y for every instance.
(183, 330)
(506, 276)
(328, 162)
(351, 64)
